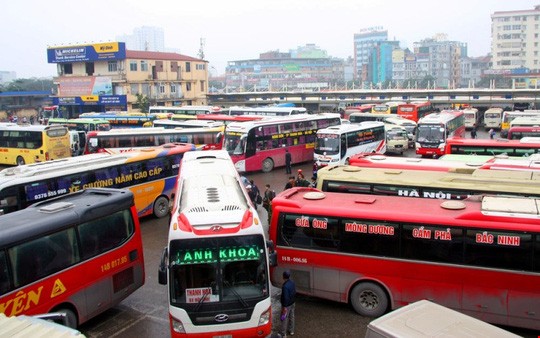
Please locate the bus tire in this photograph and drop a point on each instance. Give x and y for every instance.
(161, 207)
(20, 160)
(71, 317)
(267, 165)
(369, 300)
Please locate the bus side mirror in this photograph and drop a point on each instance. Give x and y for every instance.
(162, 272)
(272, 254)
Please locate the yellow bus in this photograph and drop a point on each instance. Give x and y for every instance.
(21, 144)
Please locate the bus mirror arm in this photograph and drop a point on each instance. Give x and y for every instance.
(162, 272)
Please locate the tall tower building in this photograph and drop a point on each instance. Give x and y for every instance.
(515, 39)
(145, 38)
(364, 41)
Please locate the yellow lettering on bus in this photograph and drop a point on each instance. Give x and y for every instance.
(21, 302)
(141, 175)
(123, 179)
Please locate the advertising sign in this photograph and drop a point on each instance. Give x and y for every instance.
(85, 85)
(83, 53)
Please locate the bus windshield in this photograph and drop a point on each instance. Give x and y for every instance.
(430, 133)
(217, 270)
(235, 144)
(327, 144)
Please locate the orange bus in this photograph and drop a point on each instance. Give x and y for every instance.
(415, 110)
(78, 254)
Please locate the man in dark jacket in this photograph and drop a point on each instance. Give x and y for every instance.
(288, 297)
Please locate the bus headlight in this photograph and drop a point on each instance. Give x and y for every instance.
(265, 317)
(178, 326)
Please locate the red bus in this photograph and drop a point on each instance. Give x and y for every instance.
(260, 145)
(415, 110)
(517, 133)
(434, 129)
(368, 160)
(364, 108)
(216, 263)
(468, 146)
(480, 257)
(78, 254)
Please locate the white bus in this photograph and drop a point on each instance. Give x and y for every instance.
(182, 112)
(172, 124)
(493, 118)
(336, 144)
(216, 264)
(267, 111)
(509, 116)
(472, 117)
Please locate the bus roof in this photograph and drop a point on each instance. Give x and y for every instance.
(440, 117)
(28, 127)
(154, 130)
(58, 212)
(526, 121)
(28, 326)
(345, 128)
(281, 120)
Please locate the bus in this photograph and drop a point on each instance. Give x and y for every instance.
(172, 124)
(260, 145)
(149, 173)
(226, 119)
(378, 253)
(389, 107)
(82, 124)
(21, 144)
(78, 254)
(36, 326)
(336, 144)
(400, 122)
(509, 116)
(216, 263)
(367, 116)
(183, 112)
(451, 185)
(123, 119)
(522, 147)
(364, 108)
(517, 133)
(415, 110)
(267, 111)
(493, 118)
(434, 129)
(123, 140)
(471, 117)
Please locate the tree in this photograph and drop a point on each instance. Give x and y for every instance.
(143, 103)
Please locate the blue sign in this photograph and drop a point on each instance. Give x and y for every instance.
(83, 53)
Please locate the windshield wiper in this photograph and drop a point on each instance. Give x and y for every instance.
(244, 303)
(201, 301)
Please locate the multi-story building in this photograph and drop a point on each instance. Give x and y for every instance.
(145, 38)
(306, 68)
(408, 69)
(364, 41)
(380, 62)
(515, 39)
(472, 70)
(106, 76)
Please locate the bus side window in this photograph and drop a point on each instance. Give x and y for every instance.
(5, 284)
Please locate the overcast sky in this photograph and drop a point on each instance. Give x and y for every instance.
(237, 29)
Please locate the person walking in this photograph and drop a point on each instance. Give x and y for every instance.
(473, 131)
(257, 199)
(288, 159)
(290, 183)
(301, 180)
(491, 133)
(288, 298)
(269, 195)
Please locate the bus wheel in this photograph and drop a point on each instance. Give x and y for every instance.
(267, 165)
(20, 160)
(369, 300)
(71, 317)
(161, 207)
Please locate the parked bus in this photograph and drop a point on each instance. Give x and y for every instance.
(517, 133)
(367, 116)
(457, 185)
(398, 121)
(364, 108)
(183, 112)
(522, 147)
(267, 111)
(82, 124)
(434, 129)
(379, 253)
(390, 107)
(149, 173)
(425, 319)
(216, 260)
(172, 124)
(79, 254)
(509, 116)
(123, 119)
(122, 140)
(226, 119)
(471, 117)
(397, 139)
(336, 144)
(260, 145)
(21, 144)
(415, 110)
(493, 118)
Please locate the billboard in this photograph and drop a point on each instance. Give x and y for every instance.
(84, 85)
(91, 52)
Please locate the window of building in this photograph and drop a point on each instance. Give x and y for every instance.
(145, 89)
(113, 66)
(161, 88)
(202, 86)
(199, 66)
(144, 66)
(188, 67)
(133, 66)
(68, 68)
(134, 87)
(188, 87)
(173, 88)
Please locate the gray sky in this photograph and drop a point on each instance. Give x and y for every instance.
(237, 29)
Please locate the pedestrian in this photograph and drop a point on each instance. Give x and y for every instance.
(256, 192)
(269, 195)
(288, 297)
(313, 183)
(473, 131)
(251, 195)
(290, 183)
(288, 159)
(491, 133)
(301, 180)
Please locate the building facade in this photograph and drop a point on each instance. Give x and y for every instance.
(515, 39)
(107, 77)
(145, 38)
(364, 41)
